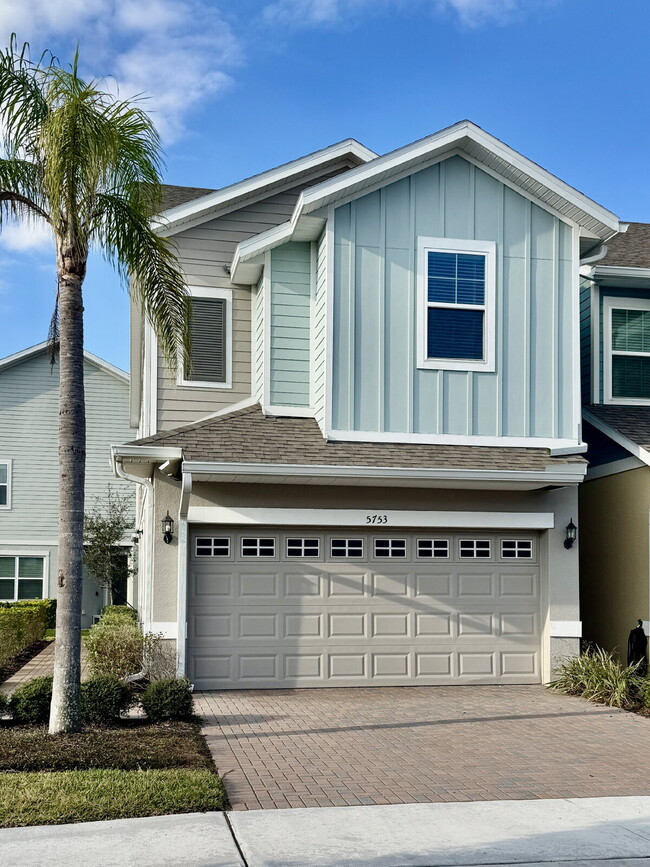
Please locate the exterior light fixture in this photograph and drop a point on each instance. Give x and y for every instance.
(168, 528)
(571, 533)
(135, 536)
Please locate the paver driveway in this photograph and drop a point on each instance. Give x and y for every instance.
(334, 747)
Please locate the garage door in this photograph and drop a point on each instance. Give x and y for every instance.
(270, 609)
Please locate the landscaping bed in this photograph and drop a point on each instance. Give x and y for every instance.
(11, 666)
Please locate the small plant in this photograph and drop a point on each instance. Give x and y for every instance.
(168, 699)
(115, 648)
(30, 703)
(599, 677)
(103, 698)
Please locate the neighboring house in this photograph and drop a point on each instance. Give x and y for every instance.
(372, 461)
(29, 467)
(615, 500)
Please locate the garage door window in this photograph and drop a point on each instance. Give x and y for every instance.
(390, 547)
(473, 549)
(209, 546)
(258, 547)
(347, 548)
(303, 548)
(436, 548)
(517, 549)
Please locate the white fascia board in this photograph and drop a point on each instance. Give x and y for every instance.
(447, 139)
(564, 474)
(17, 357)
(105, 365)
(257, 246)
(363, 518)
(613, 468)
(24, 353)
(243, 190)
(555, 445)
(147, 453)
(614, 434)
(602, 273)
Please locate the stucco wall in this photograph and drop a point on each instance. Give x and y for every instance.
(614, 555)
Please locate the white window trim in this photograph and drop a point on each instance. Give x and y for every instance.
(227, 296)
(8, 462)
(347, 540)
(434, 555)
(449, 245)
(302, 540)
(611, 302)
(390, 554)
(44, 555)
(258, 548)
(517, 556)
(212, 546)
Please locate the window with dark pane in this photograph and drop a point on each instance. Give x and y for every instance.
(433, 548)
(516, 549)
(208, 335)
(213, 546)
(475, 548)
(631, 354)
(300, 547)
(390, 547)
(4, 484)
(258, 547)
(346, 548)
(455, 305)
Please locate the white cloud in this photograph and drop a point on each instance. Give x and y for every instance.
(177, 52)
(470, 13)
(27, 236)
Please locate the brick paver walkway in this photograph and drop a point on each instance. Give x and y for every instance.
(335, 747)
(41, 665)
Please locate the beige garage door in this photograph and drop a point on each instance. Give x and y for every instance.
(270, 608)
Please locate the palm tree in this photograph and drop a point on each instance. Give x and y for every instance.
(88, 164)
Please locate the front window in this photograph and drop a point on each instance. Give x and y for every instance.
(456, 304)
(5, 484)
(21, 577)
(210, 363)
(627, 350)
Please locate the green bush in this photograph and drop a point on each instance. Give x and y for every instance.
(599, 677)
(103, 698)
(114, 648)
(46, 605)
(30, 703)
(3, 703)
(20, 627)
(119, 614)
(168, 699)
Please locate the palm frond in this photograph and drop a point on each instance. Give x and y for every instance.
(21, 190)
(23, 106)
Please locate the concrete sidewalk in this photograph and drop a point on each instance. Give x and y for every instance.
(587, 831)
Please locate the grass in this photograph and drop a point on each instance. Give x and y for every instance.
(50, 634)
(90, 796)
(132, 746)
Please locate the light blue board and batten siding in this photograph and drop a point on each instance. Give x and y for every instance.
(290, 325)
(377, 385)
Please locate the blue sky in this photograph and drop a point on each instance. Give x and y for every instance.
(239, 86)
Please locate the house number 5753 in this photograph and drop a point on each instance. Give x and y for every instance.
(376, 519)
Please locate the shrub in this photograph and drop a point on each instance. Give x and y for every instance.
(168, 699)
(115, 648)
(20, 627)
(599, 677)
(48, 606)
(30, 703)
(3, 703)
(119, 614)
(103, 698)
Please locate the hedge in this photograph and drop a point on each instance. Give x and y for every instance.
(48, 605)
(119, 614)
(20, 627)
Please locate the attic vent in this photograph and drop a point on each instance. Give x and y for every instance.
(208, 334)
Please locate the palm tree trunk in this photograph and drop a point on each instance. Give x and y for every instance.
(65, 711)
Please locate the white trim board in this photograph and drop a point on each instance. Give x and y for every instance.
(612, 468)
(17, 357)
(566, 446)
(614, 434)
(610, 303)
(166, 628)
(359, 518)
(207, 293)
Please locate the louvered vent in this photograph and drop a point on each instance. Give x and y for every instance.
(208, 333)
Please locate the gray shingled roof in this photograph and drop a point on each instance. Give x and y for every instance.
(173, 196)
(247, 436)
(630, 249)
(632, 421)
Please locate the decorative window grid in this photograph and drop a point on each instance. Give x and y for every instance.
(390, 547)
(213, 546)
(299, 547)
(256, 546)
(519, 549)
(21, 577)
(435, 548)
(474, 549)
(346, 548)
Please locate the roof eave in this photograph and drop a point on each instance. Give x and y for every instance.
(614, 434)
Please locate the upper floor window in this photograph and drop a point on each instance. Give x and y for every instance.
(627, 350)
(5, 484)
(21, 577)
(456, 328)
(211, 338)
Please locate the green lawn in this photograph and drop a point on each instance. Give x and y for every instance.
(88, 796)
(50, 634)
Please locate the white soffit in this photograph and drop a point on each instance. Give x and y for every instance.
(614, 434)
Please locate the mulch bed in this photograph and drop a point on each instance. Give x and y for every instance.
(131, 745)
(16, 663)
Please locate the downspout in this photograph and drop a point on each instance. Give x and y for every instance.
(181, 583)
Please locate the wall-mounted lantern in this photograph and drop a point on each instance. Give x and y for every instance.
(571, 534)
(168, 528)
